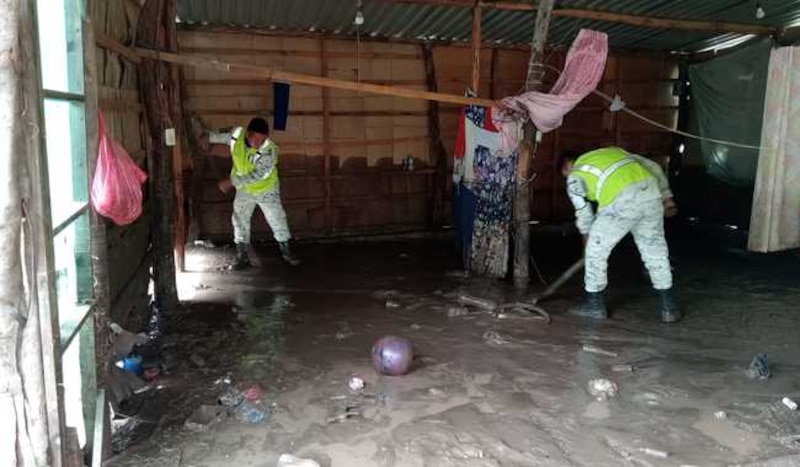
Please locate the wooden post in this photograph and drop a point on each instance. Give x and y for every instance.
(177, 171)
(475, 82)
(326, 139)
(153, 31)
(435, 140)
(492, 68)
(522, 201)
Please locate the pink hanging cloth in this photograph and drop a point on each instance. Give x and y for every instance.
(584, 67)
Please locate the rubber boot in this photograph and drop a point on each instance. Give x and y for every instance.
(286, 252)
(242, 260)
(670, 311)
(594, 306)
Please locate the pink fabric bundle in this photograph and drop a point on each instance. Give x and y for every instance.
(585, 64)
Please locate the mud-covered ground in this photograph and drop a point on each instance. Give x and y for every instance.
(520, 400)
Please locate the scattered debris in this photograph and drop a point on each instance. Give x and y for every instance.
(391, 303)
(623, 368)
(456, 311)
(494, 337)
(602, 389)
(355, 384)
(204, 244)
(720, 415)
(253, 393)
(132, 364)
(125, 341)
(436, 392)
(288, 460)
(654, 453)
(790, 404)
(415, 327)
(759, 368)
(202, 287)
(245, 410)
(197, 360)
(477, 302)
(349, 412)
(150, 374)
(340, 336)
(392, 355)
(206, 416)
(594, 349)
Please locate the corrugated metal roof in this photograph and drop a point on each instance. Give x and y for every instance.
(443, 23)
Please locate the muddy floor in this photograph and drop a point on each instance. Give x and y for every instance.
(485, 390)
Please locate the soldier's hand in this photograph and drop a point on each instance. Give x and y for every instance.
(225, 185)
(670, 209)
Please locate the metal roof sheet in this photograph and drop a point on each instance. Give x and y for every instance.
(448, 23)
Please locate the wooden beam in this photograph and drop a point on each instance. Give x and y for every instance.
(522, 198)
(475, 83)
(717, 27)
(109, 43)
(298, 78)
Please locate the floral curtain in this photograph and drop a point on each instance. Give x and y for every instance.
(775, 221)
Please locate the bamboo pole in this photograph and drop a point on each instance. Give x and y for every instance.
(522, 199)
(475, 82)
(298, 78)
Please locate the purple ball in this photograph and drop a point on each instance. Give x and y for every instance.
(392, 355)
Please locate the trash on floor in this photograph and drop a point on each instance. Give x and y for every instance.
(597, 350)
(759, 368)
(654, 453)
(456, 311)
(602, 389)
(495, 338)
(288, 460)
(355, 384)
(477, 302)
(790, 404)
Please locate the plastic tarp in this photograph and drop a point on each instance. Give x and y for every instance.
(727, 98)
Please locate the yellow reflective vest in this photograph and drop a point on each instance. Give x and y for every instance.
(607, 172)
(245, 159)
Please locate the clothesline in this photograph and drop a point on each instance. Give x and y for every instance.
(656, 124)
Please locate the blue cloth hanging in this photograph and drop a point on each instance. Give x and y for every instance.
(280, 105)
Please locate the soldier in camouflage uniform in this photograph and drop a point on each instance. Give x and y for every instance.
(254, 175)
(632, 196)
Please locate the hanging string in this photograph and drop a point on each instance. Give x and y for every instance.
(656, 124)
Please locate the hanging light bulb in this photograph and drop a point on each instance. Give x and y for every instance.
(760, 13)
(359, 19)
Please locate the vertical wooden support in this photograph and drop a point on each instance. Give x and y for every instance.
(38, 229)
(435, 140)
(522, 199)
(156, 30)
(177, 171)
(99, 243)
(326, 138)
(475, 82)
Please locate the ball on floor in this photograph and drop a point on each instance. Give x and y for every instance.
(392, 355)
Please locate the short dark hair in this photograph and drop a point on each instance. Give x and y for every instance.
(258, 125)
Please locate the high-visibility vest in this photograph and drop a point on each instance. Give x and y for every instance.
(244, 160)
(607, 172)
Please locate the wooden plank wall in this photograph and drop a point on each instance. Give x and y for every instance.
(120, 103)
(342, 174)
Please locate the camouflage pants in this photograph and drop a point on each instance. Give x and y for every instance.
(637, 210)
(270, 203)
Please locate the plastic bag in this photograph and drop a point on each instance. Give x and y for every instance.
(117, 183)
